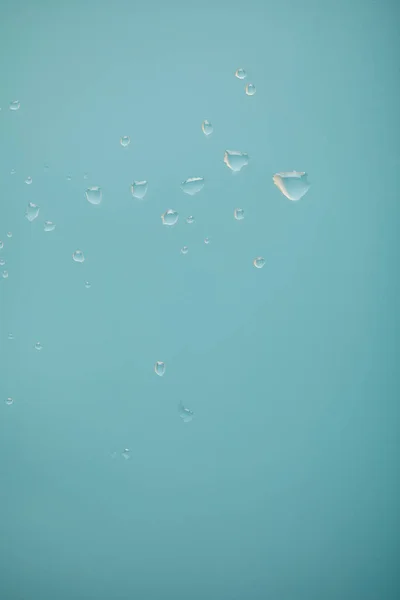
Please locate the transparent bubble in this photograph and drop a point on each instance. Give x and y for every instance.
(28, 180)
(139, 189)
(236, 160)
(207, 127)
(170, 217)
(126, 454)
(193, 185)
(5, 274)
(9, 401)
(49, 226)
(125, 141)
(185, 414)
(292, 184)
(240, 74)
(9, 234)
(10, 336)
(32, 211)
(159, 368)
(13, 171)
(88, 285)
(207, 240)
(15, 104)
(38, 346)
(1, 245)
(78, 256)
(238, 214)
(184, 250)
(190, 219)
(94, 195)
(2, 262)
(250, 89)
(259, 262)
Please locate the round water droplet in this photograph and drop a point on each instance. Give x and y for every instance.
(78, 256)
(236, 160)
(193, 185)
(10, 336)
(94, 195)
(9, 234)
(49, 226)
(38, 346)
(2, 262)
(15, 105)
(240, 74)
(126, 454)
(239, 214)
(1, 245)
(32, 211)
(259, 262)
(184, 250)
(170, 217)
(250, 89)
(28, 180)
(190, 219)
(13, 171)
(207, 127)
(9, 401)
(139, 189)
(159, 368)
(292, 184)
(5, 274)
(125, 141)
(88, 285)
(207, 240)
(185, 414)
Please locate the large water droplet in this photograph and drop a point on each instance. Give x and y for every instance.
(15, 104)
(250, 89)
(190, 219)
(38, 346)
(28, 180)
(125, 141)
(78, 256)
(2, 262)
(94, 195)
(159, 368)
(185, 414)
(5, 274)
(238, 214)
(49, 226)
(184, 250)
(170, 217)
(32, 211)
(236, 160)
(139, 189)
(207, 127)
(240, 74)
(259, 262)
(292, 184)
(9, 401)
(193, 185)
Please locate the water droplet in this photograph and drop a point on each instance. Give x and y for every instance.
(184, 250)
(185, 414)
(10, 336)
(15, 105)
(125, 141)
(1, 245)
(193, 185)
(207, 127)
(207, 240)
(170, 217)
(240, 74)
(69, 178)
(49, 226)
(159, 368)
(190, 219)
(9, 234)
(2, 262)
(32, 211)
(85, 176)
(13, 171)
(259, 262)
(139, 189)
(292, 184)
(236, 160)
(94, 195)
(38, 346)
(78, 256)
(9, 401)
(88, 285)
(238, 214)
(250, 89)
(28, 180)
(126, 454)
(5, 274)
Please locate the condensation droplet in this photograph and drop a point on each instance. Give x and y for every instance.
(5, 274)
(78, 256)
(38, 346)
(9, 401)
(185, 414)
(94, 195)
(69, 177)
(190, 219)
(239, 214)
(10, 336)
(170, 217)
(240, 74)
(9, 234)
(49, 226)
(1, 245)
(207, 127)
(159, 368)
(207, 240)
(259, 262)
(32, 211)
(193, 185)
(88, 285)
(139, 189)
(236, 160)
(250, 89)
(2, 262)
(15, 104)
(125, 141)
(126, 454)
(292, 184)
(184, 250)
(28, 180)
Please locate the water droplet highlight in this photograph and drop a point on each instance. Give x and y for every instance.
(13, 171)
(49, 226)
(78, 256)
(159, 368)
(190, 219)
(184, 250)
(38, 346)
(292, 184)
(193, 185)
(240, 74)
(32, 211)
(125, 141)
(185, 414)
(94, 195)
(250, 89)
(139, 189)
(207, 127)
(238, 214)
(15, 104)
(170, 217)
(259, 262)
(28, 180)
(236, 160)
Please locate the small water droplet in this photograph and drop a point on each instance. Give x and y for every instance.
(32, 211)
(1, 245)
(49, 226)
(126, 454)
(170, 217)
(9, 401)
(250, 89)
(28, 180)
(13, 171)
(85, 176)
(78, 256)
(139, 189)
(69, 177)
(185, 414)
(15, 104)
(94, 195)
(292, 184)
(193, 185)
(9, 234)
(38, 346)
(125, 141)
(240, 74)
(5, 274)
(2, 262)
(259, 262)
(239, 214)
(159, 368)
(207, 127)
(190, 219)
(184, 250)
(88, 285)
(207, 240)
(10, 336)
(236, 160)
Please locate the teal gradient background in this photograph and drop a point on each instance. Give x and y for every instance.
(284, 486)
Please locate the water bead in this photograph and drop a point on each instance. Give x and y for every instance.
(259, 262)
(1, 245)
(9, 401)
(139, 189)
(32, 211)
(5, 274)
(94, 195)
(236, 160)
(250, 89)
(126, 454)
(2, 262)
(78, 256)
(125, 141)
(38, 346)
(185, 414)
(207, 127)
(238, 214)
(88, 285)
(159, 368)
(170, 217)
(28, 180)
(292, 184)
(9, 234)
(190, 219)
(49, 226)
(207, 240)
(193, 185)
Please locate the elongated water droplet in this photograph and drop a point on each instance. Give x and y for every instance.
(159, 368)
(184, 250)
(207, 127)
(170, 217)
(240, 74)
(125, 141)
(15, 104)
(185, 414)
(250, 89)
(49, 226)
(5, 274)
(88, 285)
(78, 256)
(94, 195)
(28, 180)
(139, 189)
(13, 171)
(292, 184)
(32, 211)
(126, 454)
(259, 262)
(239, 214)
(236, 160)
(193, 185)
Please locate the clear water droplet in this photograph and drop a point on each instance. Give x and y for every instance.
(69, 177)
(236, 160)
(32, 211)
(1, 245)
(207, 240)
(88, 285)
(38, 346)
(185, 414)
(5, 274)
(126, 454)
(94, 195)
(159, 368)
(238, 214)
(190, 219)
(139, 189)
(15, 104)
(207, 127)
(170, 217)
(250, 89)
(292, 184)
(78, 256)
(259, 262)
(193, 185)
(9, 234)
(28, 180)
(49, 226)
(2, 262)
(240, 74)
(13, 171)
(184, 250)
(9, 401)
(10, 336)
(125, 141)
